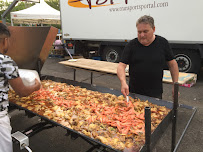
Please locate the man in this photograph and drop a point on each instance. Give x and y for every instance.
(9, 75)
(146, 56)
(58, 45)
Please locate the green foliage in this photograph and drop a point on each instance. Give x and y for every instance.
(18, 7)
(53, 3)
(3, 6)
(24, 5)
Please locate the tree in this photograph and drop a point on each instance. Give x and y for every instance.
(18, 7)
(24, 5)
(3, 6)
(54, 4)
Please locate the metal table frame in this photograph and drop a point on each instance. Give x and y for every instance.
(174, 146)
(98, 145)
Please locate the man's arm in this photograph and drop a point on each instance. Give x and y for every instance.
(122, 77)
(21, 89)
(173, 67)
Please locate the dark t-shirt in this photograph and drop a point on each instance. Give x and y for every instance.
(146, 65)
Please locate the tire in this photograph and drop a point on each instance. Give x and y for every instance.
(112, 54)
(85, 54)
(188, 60)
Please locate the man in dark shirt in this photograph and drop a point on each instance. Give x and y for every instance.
(146, 56)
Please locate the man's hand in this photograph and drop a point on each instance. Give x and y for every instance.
(124, 89)
(21, 89)
(173, 67)
(37, 85)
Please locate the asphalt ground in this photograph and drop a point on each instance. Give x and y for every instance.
(56, 140)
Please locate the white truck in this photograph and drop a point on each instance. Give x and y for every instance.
(104, 27)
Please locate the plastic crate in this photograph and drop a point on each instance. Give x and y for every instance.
(96, 58)
(58, 53)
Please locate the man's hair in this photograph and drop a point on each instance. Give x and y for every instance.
(4, 31)
(146, 20)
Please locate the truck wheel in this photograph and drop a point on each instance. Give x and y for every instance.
(85, 54)
(111, 54)
(188, 60)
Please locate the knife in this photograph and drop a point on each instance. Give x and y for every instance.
(127, 97)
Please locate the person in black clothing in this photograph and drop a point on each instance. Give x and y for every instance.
(146, 56)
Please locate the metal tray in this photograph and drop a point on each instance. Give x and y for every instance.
(154, 136)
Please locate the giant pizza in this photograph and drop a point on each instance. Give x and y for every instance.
(101, 116)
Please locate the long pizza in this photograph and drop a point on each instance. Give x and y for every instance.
(101, 116)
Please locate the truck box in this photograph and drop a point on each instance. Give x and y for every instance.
(105, 26)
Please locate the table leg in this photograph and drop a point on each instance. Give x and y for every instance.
(91, 77)
(174, 116)
(74, 74)
(148, 128)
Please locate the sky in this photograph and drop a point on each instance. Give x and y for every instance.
(8, 0)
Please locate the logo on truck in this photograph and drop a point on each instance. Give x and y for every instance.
(99, 3)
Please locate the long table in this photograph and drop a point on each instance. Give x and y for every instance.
(111, 68)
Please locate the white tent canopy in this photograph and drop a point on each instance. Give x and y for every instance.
(40, 13)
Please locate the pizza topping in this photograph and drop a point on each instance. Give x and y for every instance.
(102, 116)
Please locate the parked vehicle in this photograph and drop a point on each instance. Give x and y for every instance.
(103, 27)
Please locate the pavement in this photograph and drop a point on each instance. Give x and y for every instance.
(56, 140)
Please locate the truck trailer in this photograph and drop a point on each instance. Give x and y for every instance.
(103, 27)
